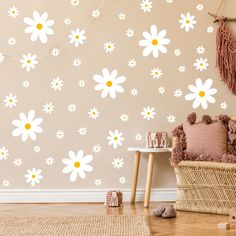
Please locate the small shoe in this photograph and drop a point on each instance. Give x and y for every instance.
(169, 212)
(159, 211)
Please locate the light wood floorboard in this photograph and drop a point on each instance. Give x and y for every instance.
(185, 224)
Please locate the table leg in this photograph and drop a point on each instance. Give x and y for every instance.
(135, 176)
(149, 179)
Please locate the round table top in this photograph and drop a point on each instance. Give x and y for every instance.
(144, 149)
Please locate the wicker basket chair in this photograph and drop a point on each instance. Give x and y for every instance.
(208, 187)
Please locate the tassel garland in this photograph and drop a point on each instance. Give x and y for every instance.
(226, 56)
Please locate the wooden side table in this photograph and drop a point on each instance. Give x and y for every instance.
(151, 156)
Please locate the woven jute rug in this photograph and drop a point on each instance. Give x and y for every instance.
(125, 225)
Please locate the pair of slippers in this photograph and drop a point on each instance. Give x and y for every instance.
(165, 211)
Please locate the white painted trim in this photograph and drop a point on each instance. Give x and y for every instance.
(145, 149)
(82, 195)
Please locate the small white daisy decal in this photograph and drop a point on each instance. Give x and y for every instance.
(93, 113)
(33, 176)
(156, 73)
(2, 58)
(171, 119)
(200, 50)
(132, 63)
(115, 138)
(74, 3)
(146, 5)
(187, 22)
(148, 113)
(96, 148)
(29, 61)
(18, 162)
(57, 84)
(48, 108)
(223, 105)
(124, 118)
(13, 12)
(76, 62)
(122, 180)
(60, 134)
(118, 163)
(77, 37)
(4, 153)
(55, 52)
(49, 161)
(201, 64)
(130, 33)
(82, 131)
(11, 41)
(10, 100)
(96, 13)
(178, 93)
(109, 47)
(138, 137)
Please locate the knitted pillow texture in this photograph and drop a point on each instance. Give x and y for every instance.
(208, 139)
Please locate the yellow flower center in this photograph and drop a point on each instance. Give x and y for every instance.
(187, 21)
(201, 94)
(28, 61)
(39, 26)
(201, 64)
(77, 164)
(10, 100)
(27, 126)
(154, 42)
(148, 113)
(115, 138)
(109, 83)
(77, 36)
(33, 176)
(94, 113)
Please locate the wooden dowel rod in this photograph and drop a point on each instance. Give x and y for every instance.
(225, 18)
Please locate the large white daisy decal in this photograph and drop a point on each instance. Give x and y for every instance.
(154, 42)
(77, 164)
(77, 37)
(115, 138)
(109, 83)
(27, 126)
(202, 93)
(187, 22)
(39, 26)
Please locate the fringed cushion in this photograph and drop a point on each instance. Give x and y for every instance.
(180, 152)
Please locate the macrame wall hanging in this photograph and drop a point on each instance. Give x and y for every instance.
(225, 51)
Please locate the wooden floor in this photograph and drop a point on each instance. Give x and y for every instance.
(185, 224)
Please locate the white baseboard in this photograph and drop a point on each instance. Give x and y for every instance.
(74, 195)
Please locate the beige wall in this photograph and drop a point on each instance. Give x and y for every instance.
(108, 27)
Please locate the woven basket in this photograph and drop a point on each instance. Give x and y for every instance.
(208, 187)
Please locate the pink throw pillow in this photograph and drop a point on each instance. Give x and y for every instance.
(209, 139)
